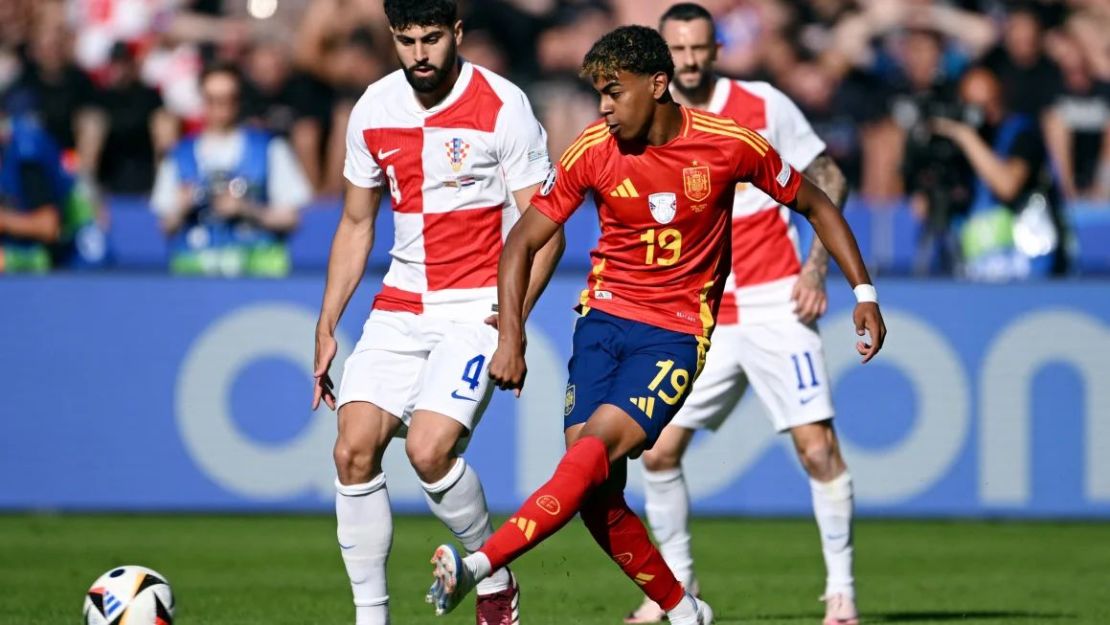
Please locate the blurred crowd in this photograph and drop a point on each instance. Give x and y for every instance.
(111, 88)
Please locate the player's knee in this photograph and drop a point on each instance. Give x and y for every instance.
(429, 459)
(821, 459)
(354, 464)
(657, 459)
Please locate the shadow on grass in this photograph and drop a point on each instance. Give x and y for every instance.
(923, 616)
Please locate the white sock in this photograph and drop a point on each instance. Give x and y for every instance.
(667, 504)
(832, 505)
(685, 613)
(459, 501)
(365, 533)
(479, 565)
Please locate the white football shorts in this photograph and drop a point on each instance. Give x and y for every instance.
(406, 362)
(783, 361)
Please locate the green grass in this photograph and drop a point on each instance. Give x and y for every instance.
(286, 570)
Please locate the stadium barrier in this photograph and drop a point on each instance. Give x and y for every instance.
(149, 393)
(887, 236)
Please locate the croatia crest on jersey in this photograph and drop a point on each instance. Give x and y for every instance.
(663, 206)
(457, 151)
(695, 182)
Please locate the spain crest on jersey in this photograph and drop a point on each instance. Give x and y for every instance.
(695, 182)
(457, 151)
(663, 206)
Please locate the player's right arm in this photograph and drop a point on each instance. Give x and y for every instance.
(559, 196)
(354, 237)
(530, 234)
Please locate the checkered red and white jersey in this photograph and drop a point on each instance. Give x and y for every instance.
(450, 172)
(765, 255)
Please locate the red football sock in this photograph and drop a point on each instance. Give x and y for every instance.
(623, 536)
(583, 468)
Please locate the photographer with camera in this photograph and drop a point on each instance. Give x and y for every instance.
(228, 196)
(935, 174)
(1013, 227)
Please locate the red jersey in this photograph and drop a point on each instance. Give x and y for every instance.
(665, 214)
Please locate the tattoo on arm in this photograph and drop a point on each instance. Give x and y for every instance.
(826, 175)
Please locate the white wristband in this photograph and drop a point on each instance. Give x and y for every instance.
(866, 293)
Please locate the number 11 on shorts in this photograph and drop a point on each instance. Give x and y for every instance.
(797, 358)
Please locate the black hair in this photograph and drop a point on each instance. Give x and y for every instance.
(405, 13)
(635, 49)
(221, 67)
(687, 12)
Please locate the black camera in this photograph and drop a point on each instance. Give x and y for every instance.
(933, 165)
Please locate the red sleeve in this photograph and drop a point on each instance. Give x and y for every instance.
(563, 191)
(762, 166)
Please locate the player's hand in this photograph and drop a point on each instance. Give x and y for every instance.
(507, 369)
(869, 321)
(810, 299)
(322, 387)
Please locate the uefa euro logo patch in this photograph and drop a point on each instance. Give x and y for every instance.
(457, 151)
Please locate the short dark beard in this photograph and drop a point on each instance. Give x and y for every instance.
(431, 84)
(697, 91)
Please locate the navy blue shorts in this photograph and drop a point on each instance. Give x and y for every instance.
(644, 370)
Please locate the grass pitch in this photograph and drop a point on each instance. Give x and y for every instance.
(255, 570)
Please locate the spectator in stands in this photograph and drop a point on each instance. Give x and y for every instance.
(32, 188)
(227, 197)
(564, 103)
(1029, 79)
(63, 95)
(1013, 229)
(139, 131)
(287, 103)
(355, 63)
(15, 23)
(935, 174)
(848, 115)
(1077, 125)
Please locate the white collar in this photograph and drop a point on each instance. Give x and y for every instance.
(466, 72)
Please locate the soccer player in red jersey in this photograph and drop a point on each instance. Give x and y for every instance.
(766, 336)
(664, 178)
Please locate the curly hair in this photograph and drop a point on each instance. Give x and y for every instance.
(405, 13)
(635, 49)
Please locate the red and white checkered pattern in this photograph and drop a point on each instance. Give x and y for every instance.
(765, 255)
(450, 172)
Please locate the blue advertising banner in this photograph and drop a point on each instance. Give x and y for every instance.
(150, 393)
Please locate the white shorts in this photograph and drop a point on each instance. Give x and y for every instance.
(406, 362)
(783, 361)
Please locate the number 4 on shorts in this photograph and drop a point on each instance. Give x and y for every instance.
(473, 371)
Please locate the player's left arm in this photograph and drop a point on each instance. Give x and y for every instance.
(837, 238)
(810, 299)
(772, 175)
